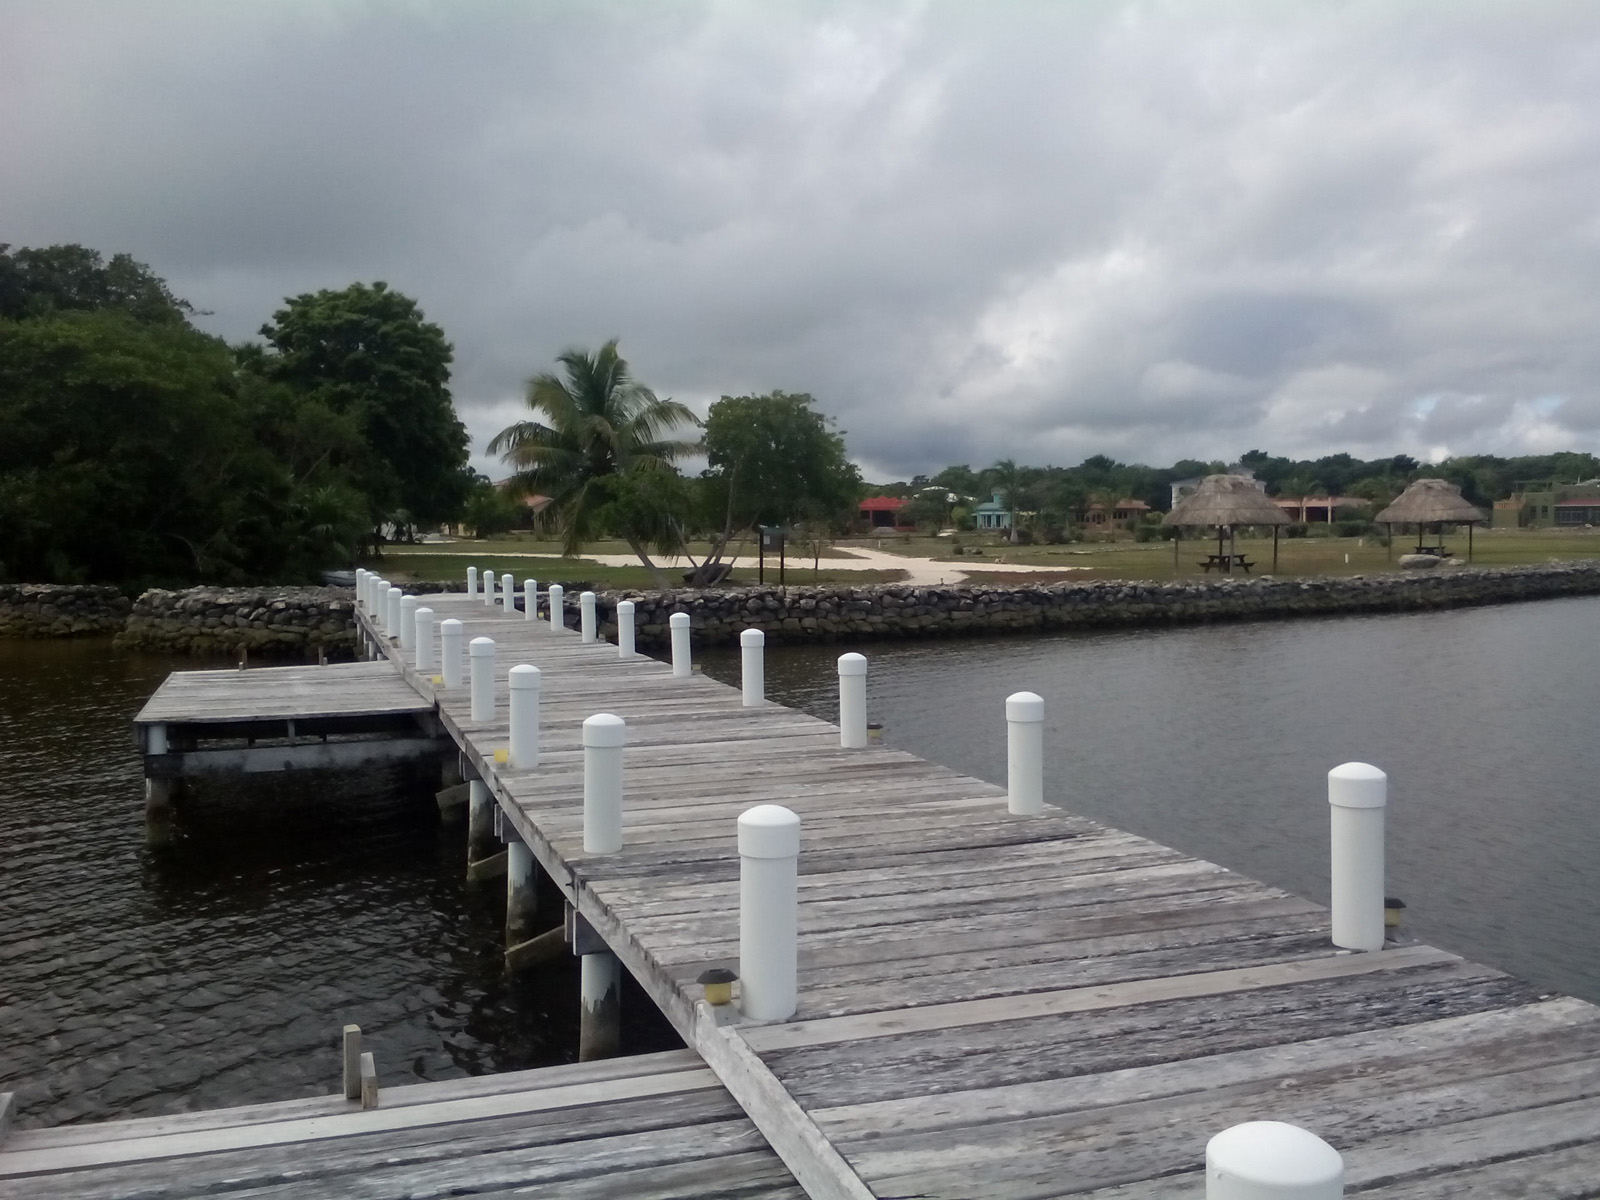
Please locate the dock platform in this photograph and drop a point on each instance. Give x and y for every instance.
(653, 1127)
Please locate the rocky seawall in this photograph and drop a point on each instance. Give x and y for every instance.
(830, 614)
(300, 622)
(46, 610)
(293, 622)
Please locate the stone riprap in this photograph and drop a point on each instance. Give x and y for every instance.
(289, 622)
(839, 613)
(48, 610)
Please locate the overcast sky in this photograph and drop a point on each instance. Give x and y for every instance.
(1038, 230)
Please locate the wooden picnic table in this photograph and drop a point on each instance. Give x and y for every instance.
(1225, 563)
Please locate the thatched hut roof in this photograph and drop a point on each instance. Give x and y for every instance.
(1428, 501)
(1226, 500)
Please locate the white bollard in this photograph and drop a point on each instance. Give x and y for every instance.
(408, 622)
(753, 672)
(852, 701)
(523, 685)
(1357, 795)
(603, 738)
(625, 629)
(588, 624)
(450, 632)
(422, 639)
(361, 587)
(599, 1006)
(530, 598)
(1025, 754)
(481, 651)
(682, 668)
(488, 588)
(391, 615)
(472, 582)
(769, 849)
(557, 600)
(508, 592)
(1272, 1160)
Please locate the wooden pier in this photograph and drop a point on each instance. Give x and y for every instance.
(997, 1006)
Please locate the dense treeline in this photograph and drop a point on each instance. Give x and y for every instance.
(135, 449)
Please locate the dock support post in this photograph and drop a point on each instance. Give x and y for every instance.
(853, 701)
(472, 581)
(600, 1014)
(408, 622)
(157, 792)
(482, 653)
(488, 588)
(753, 673)
(530, 599)
(588, 625)
(522, 893)
(1272, 1160)
(682, 667)
(352, 1062)
(523, 686)
(391, 614)
(769, 849)
(508, 592)
(450, 632)
(361, 584)
(1025, 754)
(422, 640)
(557, 598)
(1357, 795)
(604, 736)
(625, 629)
(481, 842)
(369, 1080)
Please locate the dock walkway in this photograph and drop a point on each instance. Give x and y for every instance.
(652, 1127)
(1005, 1006)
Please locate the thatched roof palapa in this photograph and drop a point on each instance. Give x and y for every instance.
(1429, 502)
(1226, 500)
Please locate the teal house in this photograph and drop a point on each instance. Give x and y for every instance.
(992, 514)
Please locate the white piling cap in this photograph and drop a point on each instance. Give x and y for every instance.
(449, 626)
(1024, 706)
(507, 580)
(480, 646)
(556, 587)
(625, 606)
(752, 637)
(605, 729)
(1264, 1160)
(524, 676)
(424, 613)
(393, 591)
(769, 831)
(679, 620)
(852, 664)
(408, 602)
(586, 597)
(1357, 785)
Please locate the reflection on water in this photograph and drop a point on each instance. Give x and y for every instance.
(1218, 740)
(219, 968)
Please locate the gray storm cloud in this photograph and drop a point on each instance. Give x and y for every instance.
(1157, 231)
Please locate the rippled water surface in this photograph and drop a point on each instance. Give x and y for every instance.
(1218, 740)
(219, 969)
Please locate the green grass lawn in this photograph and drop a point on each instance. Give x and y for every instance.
(411, 566)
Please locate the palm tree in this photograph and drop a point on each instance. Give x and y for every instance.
(592, 430)
(1007, 477)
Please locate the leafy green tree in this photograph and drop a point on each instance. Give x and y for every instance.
(595, 426)
(489, 510)
(773, 460)
(1006, 478)
(52, 279)
(366, 353)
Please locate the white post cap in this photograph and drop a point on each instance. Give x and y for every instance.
(752, 637)
(679, 620)
(524, 677)
(423, 612)
(449, 625)
(769, 831)
(1265, 1160)
(625, 606)
(583, 596)
(852, 664)
(1024, 706)
(605, 729)
(479, 646)
(1357, 785)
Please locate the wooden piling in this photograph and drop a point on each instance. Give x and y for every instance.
(352, 1062)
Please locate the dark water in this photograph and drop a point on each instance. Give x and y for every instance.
(219, 969)
(1218, 740)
